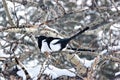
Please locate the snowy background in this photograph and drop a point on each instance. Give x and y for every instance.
(102, 16)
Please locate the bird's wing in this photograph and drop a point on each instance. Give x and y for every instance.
(49, 40)
(62, 42)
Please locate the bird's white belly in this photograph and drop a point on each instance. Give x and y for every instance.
(55, 47)
(44, 47)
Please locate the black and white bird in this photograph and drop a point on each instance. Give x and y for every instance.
(51, 44)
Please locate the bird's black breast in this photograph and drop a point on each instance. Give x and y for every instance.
(40, 39)
(39, 44)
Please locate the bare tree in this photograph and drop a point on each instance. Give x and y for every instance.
(22, 20)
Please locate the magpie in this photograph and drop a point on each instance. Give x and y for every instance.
(51, 44)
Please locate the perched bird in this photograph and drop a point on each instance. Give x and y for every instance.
(51, 44)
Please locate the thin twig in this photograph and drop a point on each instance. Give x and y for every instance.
(8, 13)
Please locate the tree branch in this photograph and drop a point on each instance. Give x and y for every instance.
(8, 13)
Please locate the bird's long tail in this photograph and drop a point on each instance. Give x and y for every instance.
(79, 33)
(81, 49)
